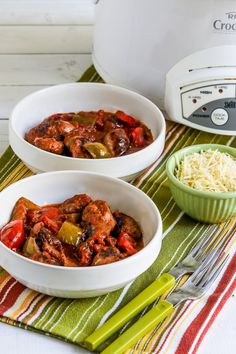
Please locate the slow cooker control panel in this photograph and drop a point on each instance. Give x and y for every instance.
(212, 106)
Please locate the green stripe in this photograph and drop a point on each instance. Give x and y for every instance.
(8, 163)
(47, 313)
(90, 73)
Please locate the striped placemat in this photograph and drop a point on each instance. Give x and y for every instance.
(73, 320)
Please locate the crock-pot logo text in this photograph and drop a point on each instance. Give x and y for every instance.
(226, 25)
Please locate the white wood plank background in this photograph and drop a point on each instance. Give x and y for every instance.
(59, 39)
(23, 74)
(3, 135)
(42, 43)
(45, 69)
(46, 12)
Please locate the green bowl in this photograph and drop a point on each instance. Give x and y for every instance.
(208, 207)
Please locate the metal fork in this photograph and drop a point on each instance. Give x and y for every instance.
(210, 241)
(195, 287)
(211, 244)
(201, 280)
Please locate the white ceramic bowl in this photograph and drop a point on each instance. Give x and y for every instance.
(85, 96)
(54, 187)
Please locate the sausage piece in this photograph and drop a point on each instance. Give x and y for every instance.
(99, 216)
(75, 204)
(50, 145)
(127, 225)
(107, 255)
(117, 141)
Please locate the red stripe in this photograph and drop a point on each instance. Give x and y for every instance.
(6, 286)
(214, 315)
(11, 298)
(173, 325)
(194, 328)
(27, 308)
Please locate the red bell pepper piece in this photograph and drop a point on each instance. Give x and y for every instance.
(50, 213)
(50, 224)
(48, 217)
(37, 215)
(99, 121)
(137, 136)
(127, 243)
(125, 118)
(55, 115)
(13, 234)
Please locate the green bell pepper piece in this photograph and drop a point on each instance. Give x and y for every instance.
(85, 120)
(97, 150)
(69, 233)
(30, 246)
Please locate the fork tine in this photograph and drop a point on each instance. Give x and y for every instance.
(217, 252)
(211, 257)
(211, 241)
(206, 265)
(217, 242)
(197, 249)
(207, 282)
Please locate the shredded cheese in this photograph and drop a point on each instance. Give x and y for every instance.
(210, 170)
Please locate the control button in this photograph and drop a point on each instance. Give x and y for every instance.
(197, 97)
(219, 116)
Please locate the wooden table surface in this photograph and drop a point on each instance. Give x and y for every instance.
(44, 44)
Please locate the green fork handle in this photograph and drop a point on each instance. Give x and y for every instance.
(157, 288)
(140, 328)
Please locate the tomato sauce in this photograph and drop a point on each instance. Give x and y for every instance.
(94, 134)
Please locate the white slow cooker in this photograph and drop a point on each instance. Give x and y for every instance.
(179, 53)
